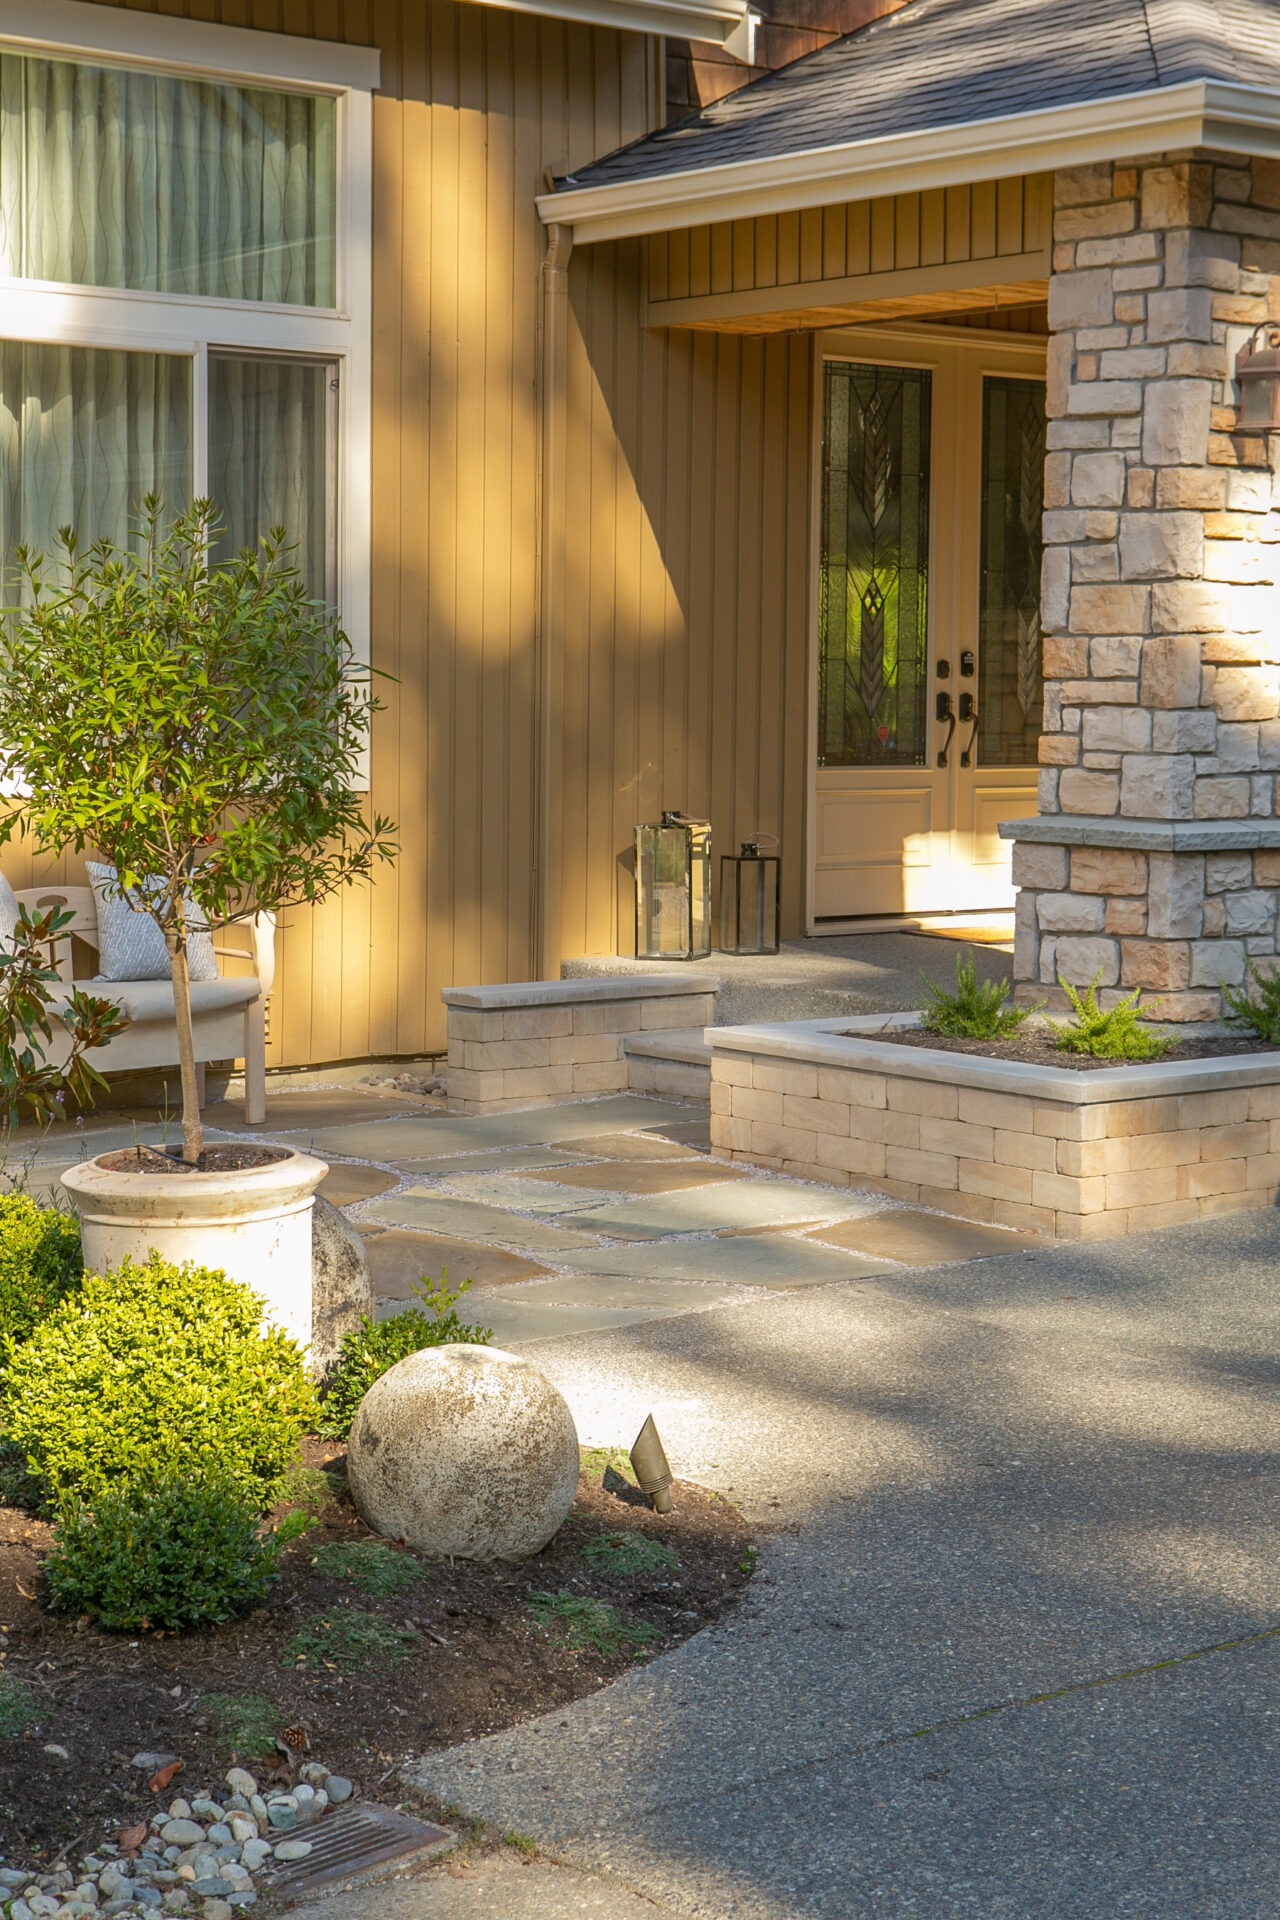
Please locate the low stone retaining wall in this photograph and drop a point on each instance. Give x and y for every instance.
(539, 1041)
(1069, 1154)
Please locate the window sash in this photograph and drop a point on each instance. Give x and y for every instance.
(85, 432)
(153, 181)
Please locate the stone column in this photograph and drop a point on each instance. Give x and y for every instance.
(1155, 860)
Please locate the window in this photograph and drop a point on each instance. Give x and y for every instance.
(184, 283)
(270, 445)
(118, 178)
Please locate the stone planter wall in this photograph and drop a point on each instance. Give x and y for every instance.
(1072, 1155)
(538, 1041)
(1160, 589)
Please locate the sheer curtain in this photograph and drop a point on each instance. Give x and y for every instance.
(84, 434)
(117, 178)
(268, 457)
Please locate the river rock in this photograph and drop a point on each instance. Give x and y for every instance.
(181, 1833)
(465, 1451)
(341, 1285)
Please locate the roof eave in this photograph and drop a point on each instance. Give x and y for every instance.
(1196, 113)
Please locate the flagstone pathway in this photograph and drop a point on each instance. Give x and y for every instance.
(576, 1218)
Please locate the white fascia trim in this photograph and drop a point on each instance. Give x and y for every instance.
(685, 19)
(67, 28)
(1197, 113)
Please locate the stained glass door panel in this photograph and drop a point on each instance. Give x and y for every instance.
(873, 679)
(1011, 682)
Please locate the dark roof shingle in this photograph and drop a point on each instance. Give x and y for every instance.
(944, 63)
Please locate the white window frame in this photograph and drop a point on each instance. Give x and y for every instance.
(190, 325)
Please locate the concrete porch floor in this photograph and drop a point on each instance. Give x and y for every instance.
(873, 970)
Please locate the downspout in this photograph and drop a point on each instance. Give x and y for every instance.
(551, 600)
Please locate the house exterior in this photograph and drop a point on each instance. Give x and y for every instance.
(700, 462)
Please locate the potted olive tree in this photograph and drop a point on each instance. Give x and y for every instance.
(200, 727)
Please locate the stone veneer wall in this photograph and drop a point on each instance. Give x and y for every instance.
(1102, 1164)
(536, 1042)
(1161, 609)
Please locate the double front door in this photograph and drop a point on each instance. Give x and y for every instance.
(929, 657)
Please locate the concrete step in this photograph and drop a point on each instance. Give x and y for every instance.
(676, 1062)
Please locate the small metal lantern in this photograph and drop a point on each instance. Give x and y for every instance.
(673, 889)
(750, 900)
(1258, 371)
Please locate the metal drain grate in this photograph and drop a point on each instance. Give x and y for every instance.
(353, 1841)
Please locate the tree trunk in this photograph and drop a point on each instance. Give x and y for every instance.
(192, 1130)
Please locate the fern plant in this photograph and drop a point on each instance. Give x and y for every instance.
(976, 1010)
(1261, 1012)
(1119, 1033)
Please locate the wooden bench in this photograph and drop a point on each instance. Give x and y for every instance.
(228, 1015)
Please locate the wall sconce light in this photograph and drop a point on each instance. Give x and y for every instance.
(1258, 372)
(673, 889)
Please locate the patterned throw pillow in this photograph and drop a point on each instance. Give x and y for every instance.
(8, 915)
(131, 945)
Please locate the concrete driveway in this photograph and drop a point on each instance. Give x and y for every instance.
(1009, 1651)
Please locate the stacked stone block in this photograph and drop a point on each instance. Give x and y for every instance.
(1161, 589)
(533, 1043)
(1159, 1153)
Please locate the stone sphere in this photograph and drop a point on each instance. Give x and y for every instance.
(467, 1451)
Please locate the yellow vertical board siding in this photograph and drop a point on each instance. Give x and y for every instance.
(687, 517)
(686, 656)
(889, 235)
(475, 105)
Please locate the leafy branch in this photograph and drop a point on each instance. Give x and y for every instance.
(199, 725)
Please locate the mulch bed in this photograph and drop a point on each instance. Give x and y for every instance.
(476, 1660)
(1040, 1052)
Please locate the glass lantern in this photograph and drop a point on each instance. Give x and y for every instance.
(750, 900)
(673, 889)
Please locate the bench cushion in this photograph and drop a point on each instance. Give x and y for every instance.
(145, 1000)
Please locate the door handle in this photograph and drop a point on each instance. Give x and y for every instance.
(943, 710)
(968, 712)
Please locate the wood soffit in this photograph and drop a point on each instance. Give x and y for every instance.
(817, 317)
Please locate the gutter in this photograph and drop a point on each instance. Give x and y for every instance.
(722, 22)
(553, 423)
(1197, 113)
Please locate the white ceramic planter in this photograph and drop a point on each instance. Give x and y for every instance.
(253, 1223)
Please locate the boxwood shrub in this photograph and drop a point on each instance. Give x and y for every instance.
(374, 1347)
(168, 1553)
(157, 1369)
(39, 1264)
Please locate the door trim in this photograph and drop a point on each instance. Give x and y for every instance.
(907, 344)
